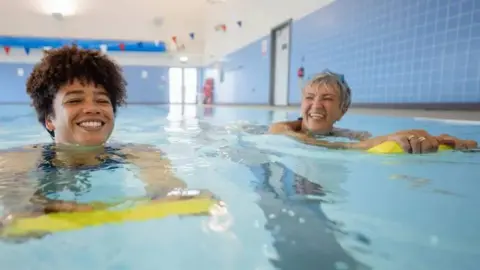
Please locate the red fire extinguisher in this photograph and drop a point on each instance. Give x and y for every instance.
(301, 73)
(208, 91)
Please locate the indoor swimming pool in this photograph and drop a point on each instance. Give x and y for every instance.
(289, 206)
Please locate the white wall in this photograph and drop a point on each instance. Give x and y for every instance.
(18, 55)
(258, 17)
(133, 20)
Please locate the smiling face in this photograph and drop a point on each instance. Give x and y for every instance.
(321, 107)
(82, 115)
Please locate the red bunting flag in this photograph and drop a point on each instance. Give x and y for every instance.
(122, 46)
(219, 27)
(6, 49)
(174, 38)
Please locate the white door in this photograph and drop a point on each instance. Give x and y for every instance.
(175, 85)
(190, 81)
(282, 48)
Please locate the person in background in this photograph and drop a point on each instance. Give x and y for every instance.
(75, 93)
(325, 100)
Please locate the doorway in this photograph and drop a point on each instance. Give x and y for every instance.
(280, 64)
(183, 85)
(190, 83)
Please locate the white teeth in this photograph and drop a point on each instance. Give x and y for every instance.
(317, 116)
(91, 124)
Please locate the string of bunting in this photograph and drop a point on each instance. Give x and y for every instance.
(178, 46)
(175, 44)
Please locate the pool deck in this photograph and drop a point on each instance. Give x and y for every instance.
(436, 114)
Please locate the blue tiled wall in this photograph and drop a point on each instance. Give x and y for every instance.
(153, 89)
(12, 86)
(246, 77)
(395, 51)
(391, 51)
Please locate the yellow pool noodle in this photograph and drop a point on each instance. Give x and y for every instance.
(392, 147)
(58, 222)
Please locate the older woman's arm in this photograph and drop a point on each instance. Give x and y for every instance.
(351, 134)
(296, 125)
(291, 129)
(286, 126)
(412, 141)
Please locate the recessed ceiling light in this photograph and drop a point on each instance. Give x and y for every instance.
(59, 7)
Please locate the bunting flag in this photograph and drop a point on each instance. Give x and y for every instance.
(222, 27)
(239, 23)
(122, 46)
(140, 44)
(192, 35)
(156, 42)
(174, 38)
(27, 50)
(7, 49)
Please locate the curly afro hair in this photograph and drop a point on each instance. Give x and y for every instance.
(62, 66)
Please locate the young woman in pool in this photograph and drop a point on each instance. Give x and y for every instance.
(326, 98)
(76, 93)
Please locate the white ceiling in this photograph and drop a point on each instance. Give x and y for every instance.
(135, 20)
(107, 19)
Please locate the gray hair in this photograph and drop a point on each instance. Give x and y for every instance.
(328, 76)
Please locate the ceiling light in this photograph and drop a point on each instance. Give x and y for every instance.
(57, 16)
(59, 7)
(183, 59)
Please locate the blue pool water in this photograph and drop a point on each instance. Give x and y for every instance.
(291, 206)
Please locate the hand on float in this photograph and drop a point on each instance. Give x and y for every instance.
(415, 141)
(456, 143)
(411, 141)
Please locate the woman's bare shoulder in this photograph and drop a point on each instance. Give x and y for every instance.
(31, 148)
(284, 126)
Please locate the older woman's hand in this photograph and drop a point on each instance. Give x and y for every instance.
(456, 143)
(415, 141)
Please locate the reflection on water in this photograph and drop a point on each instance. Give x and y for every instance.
(288, 206)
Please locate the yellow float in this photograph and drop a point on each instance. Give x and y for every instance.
(392, 147)
(58, 222)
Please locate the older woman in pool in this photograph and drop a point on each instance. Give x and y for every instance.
(325, 100)
(75, 94)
